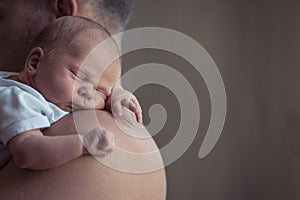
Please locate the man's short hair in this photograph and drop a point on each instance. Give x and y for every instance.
(112, 14)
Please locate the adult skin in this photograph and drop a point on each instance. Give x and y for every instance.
(85, 177)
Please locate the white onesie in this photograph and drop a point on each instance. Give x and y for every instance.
(22, 109)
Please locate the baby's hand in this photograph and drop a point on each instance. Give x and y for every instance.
(122, 98)
(98, 142)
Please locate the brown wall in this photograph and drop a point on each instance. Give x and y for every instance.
(256, 47)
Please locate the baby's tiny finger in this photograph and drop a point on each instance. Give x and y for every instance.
(125, 102)
(138, 110)
(117, 109)
(139, 117)
(132, 107)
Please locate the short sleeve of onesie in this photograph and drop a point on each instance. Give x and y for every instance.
(23, 109)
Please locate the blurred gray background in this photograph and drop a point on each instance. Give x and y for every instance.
(256, 46)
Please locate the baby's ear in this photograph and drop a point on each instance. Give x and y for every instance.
(33, 60)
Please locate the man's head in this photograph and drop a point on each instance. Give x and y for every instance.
(112, 14)
(22, 20)
(73, 63)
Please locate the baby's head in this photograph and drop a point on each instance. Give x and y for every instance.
(62, 68)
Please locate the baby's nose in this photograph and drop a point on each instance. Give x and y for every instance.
(85, 92)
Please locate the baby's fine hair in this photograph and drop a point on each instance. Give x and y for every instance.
(60, 33)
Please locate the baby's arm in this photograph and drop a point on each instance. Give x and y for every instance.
(123, 98)
(34, 150)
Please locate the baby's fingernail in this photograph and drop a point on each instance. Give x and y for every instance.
(140, 121)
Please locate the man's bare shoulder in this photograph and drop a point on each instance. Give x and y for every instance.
(86, 177)
(82, 178)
